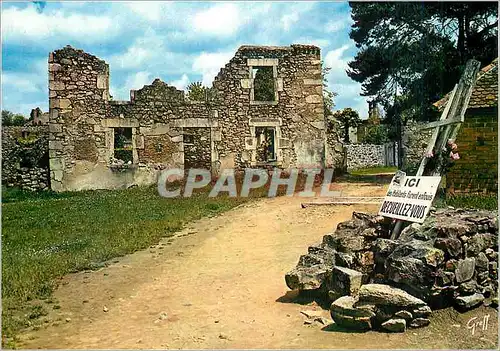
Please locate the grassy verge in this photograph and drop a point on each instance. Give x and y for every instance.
(373, 170)
(47, 235)
(479, 202)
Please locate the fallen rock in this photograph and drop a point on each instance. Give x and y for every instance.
(480, 242)
(465, 269)
(419, 322)
(404, 314)
(422, 311)
(481, 262)
(381, 294)
(451, 246)
(468, 287)
(470, 301)
(345, 306)
(344, 281)
(396, 325)
(346, 315)
(306, 278)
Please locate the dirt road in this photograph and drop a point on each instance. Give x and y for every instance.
(220, 284)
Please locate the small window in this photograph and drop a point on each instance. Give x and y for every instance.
(123, 144)
(188, 139)
(266, 151)
(263, 84)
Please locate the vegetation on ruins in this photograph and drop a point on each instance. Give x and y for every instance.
(348, 118)
(196, 91)
(11, 119)
(412, 53)
(376, 134)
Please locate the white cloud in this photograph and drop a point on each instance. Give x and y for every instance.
(27, 23)
(181, 83)
(322, 43)
(336, 25)
(209, 64)
(334, 59)
(221, 19)
(134, 81)
(24, 82)
(150, 10)
(289, 19)
(348, 90)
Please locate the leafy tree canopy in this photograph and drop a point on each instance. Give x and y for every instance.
(348, 118)
(418, 50)
(197, 92)
(11, 119)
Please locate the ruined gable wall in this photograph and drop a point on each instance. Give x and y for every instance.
(298, 114)
(78, 95)
(83, 121)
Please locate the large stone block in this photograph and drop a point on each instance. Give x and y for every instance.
(314, 99)
(344, 281)
(55, 145)
(381, 294)
(54, 67)
(102, 81)
(313, 82)
(55, 128)
(56, 85)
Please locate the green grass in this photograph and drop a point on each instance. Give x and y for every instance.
(47, 235)
(373, 170)
(479, 202)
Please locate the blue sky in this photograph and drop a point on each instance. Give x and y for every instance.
(178, 42)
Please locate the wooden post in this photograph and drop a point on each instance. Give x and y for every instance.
(450, 120)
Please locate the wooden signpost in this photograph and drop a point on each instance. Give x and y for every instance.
(447, 126)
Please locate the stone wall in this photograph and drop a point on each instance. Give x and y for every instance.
(297, 114)
(84, 119)
(370, 155)
(415, 141)
(25, 157)
(477, 141)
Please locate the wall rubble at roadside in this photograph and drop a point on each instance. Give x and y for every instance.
(449, 260)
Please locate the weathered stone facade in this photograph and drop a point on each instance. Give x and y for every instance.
(25, 159)
(162, 129)
(371, 155)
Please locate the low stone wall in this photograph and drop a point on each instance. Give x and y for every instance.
(25, 158)
(451, 259)
(370, 155)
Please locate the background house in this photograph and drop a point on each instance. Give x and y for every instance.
(477, 140)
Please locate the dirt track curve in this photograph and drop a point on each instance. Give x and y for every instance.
(220, 284)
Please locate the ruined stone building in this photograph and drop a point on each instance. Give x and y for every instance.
(96, 142)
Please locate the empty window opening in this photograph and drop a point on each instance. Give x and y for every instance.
(188, 139)
(123, 144)
(265, 144)
(263, 84)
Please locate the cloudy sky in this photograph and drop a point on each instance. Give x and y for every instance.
(178, 42)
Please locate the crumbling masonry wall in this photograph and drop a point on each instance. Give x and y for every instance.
(25, 160)
(170, 131)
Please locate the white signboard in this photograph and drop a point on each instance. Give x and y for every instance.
(409, 198)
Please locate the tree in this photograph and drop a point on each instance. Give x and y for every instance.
(264, 84)
(376, 134)
(416, 51)
(11, 119)
(197, 92)
(348, 118)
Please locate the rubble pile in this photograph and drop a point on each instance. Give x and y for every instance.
(375, 282)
